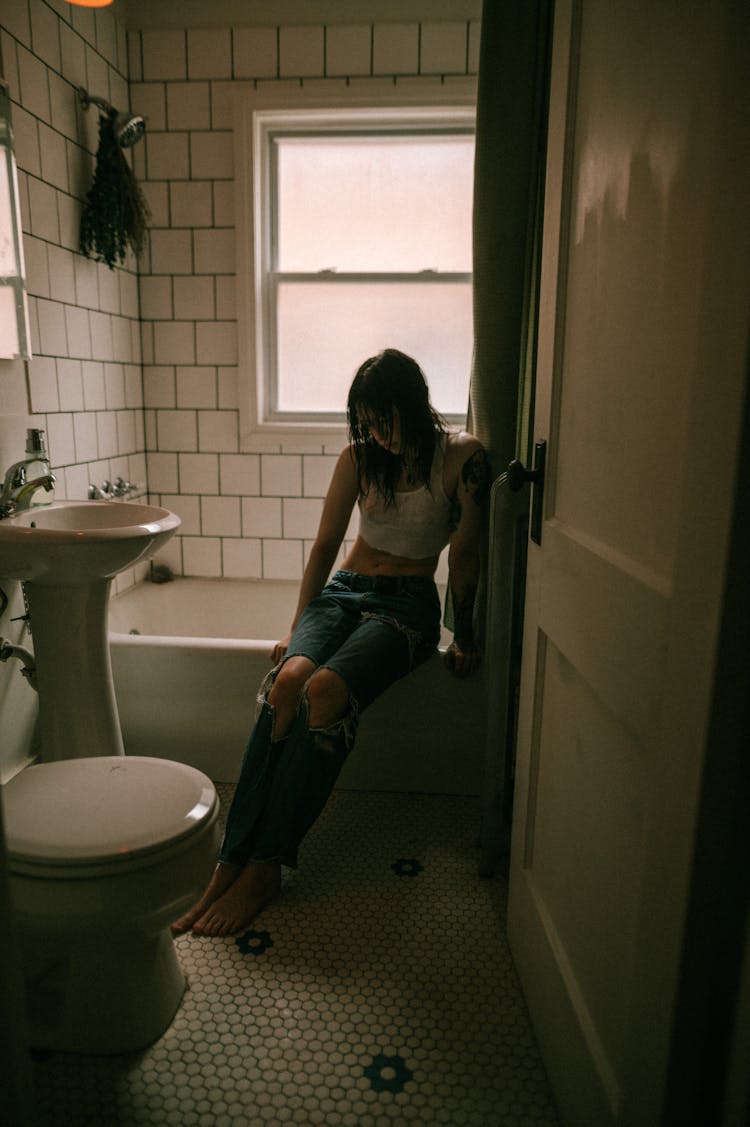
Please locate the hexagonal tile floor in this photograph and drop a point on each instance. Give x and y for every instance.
(377, 990)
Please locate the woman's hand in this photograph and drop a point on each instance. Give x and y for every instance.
(462, 662)
(278, 653)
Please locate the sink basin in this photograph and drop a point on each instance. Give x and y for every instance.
(72, 543)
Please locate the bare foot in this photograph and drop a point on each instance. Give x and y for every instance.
(223, 876)
(257, 884)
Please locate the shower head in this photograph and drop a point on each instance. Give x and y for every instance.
(128, 127)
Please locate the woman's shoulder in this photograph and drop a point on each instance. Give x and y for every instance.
(345, 471)
(465, 459)
(460, 445)
(347, 457)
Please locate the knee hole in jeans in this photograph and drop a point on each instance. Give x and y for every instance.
(284, 695)
(291, 677)
(328, 698)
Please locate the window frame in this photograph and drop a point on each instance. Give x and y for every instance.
(428, 102)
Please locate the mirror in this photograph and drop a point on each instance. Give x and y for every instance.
(14, 318)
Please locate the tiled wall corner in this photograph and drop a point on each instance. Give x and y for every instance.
(85, 383)
(135, 370)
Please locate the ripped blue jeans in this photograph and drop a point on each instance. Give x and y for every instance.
(371, 630)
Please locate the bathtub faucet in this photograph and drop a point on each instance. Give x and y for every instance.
(101, 492)
(123, 487)
(107, 491)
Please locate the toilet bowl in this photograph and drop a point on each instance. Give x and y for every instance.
(103, 854)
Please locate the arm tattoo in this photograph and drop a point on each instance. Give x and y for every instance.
(475, 474)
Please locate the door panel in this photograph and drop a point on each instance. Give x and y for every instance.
(585, 826)
(632, 169)
(586, 585)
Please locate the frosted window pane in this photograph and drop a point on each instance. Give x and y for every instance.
(326, 330)
(367, 204)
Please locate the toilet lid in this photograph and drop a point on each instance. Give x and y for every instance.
(109, 808)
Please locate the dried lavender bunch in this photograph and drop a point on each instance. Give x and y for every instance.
(115, 213)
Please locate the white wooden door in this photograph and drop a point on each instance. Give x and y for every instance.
(641, 361)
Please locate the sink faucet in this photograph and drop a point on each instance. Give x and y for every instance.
(23, 478)
(18, 489)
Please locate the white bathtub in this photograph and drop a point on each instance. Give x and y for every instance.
(186, 684)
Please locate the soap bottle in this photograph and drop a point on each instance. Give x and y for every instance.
(37, 465)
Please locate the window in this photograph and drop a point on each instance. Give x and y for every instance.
(360, 229)
(14, 317)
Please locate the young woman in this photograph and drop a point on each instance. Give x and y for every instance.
(418, 487)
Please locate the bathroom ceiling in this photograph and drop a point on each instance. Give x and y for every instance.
(246, 13)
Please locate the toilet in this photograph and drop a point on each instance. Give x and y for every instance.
(103, 854)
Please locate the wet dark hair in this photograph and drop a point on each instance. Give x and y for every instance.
(384, 382)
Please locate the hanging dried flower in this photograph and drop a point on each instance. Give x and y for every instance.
(115, 213)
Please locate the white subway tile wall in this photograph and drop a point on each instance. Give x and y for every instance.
(242, 559)
(85, 379)
(134, 370)
(201, 555)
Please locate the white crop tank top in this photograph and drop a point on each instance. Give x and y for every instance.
(417, 524)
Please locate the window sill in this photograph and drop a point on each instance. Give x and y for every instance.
(297, 438)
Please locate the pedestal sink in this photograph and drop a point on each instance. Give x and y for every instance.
(66, 554)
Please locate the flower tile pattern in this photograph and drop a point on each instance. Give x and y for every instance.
(372, 1001)
(254, 942)
(388, 1074)
(407, 868)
